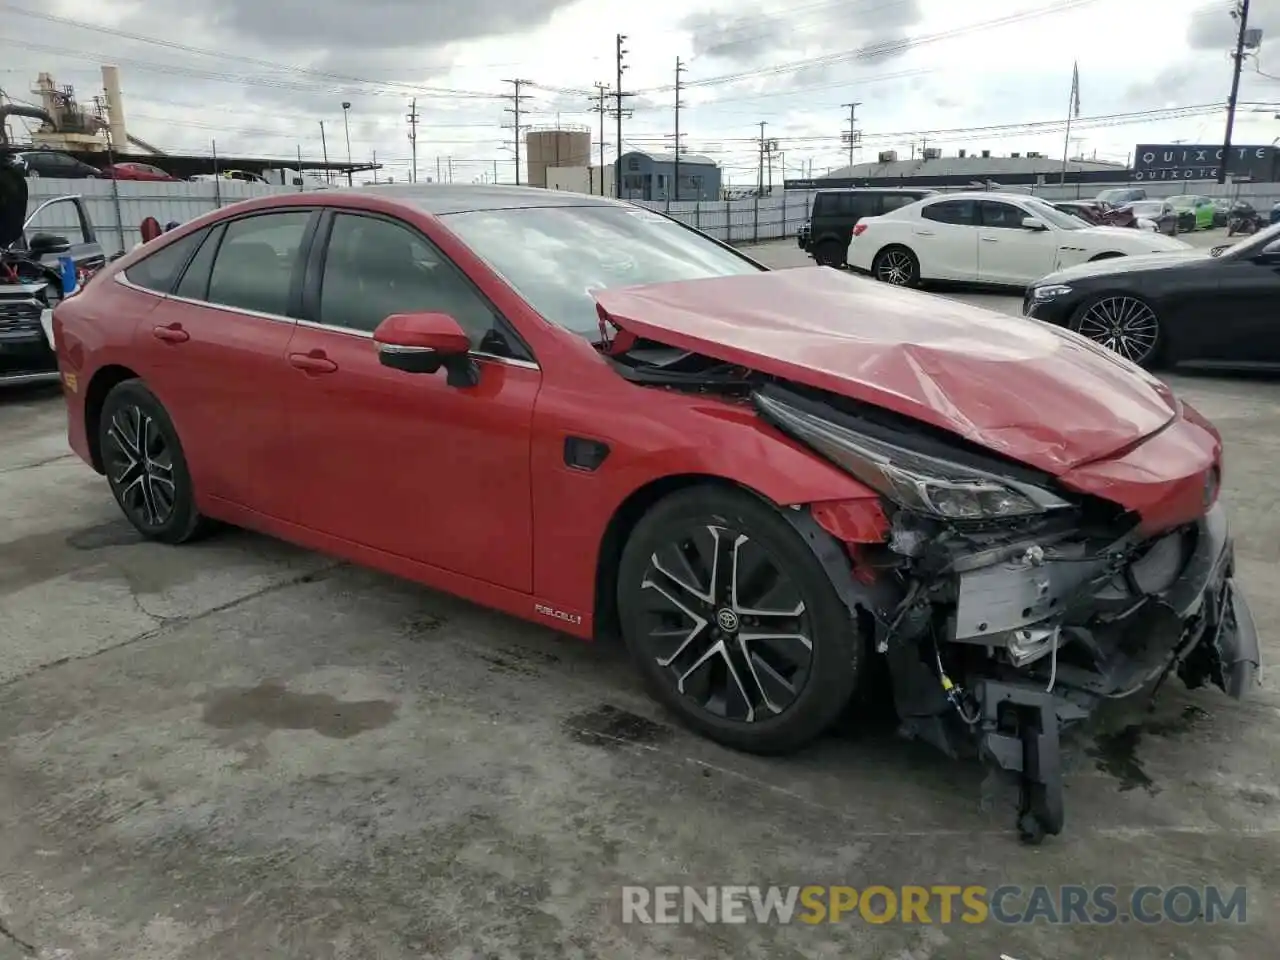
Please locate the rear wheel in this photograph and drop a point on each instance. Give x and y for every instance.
(829, 253)
(1123, 323)
(145, 466)
(734, 623)
(896, 265)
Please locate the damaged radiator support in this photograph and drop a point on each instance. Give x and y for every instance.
(1038, 630)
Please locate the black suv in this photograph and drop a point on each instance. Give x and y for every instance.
(829, 231)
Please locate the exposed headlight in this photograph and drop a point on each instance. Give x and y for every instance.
(1050, 291)
(912, 480)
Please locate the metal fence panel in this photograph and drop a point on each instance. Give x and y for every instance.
(119, 207)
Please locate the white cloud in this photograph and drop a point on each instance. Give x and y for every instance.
(1133, 55)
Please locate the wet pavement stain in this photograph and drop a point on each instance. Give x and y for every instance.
(608, 726)
(116, 533)
(270, 705)
(499, 663)
(1116, 753)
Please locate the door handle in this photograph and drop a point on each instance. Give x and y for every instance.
(990, 240)
(924, 233)
(173, 333)
(313, 362)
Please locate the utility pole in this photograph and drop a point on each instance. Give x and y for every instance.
(1240, 13)
(853, 135)
(601, 101)
(680, 68)
(413, 139)
(618, 113)
(346, 126)
(516, 97)
(450, 161)
(760, 171)
(324, 145)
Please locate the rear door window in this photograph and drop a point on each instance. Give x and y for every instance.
(259, 261)
(960, 212)
(826, 205)
(892, 201)
(855, 206)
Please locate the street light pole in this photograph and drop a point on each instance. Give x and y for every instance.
(346, 107)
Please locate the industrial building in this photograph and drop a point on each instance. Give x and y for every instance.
(964, 169)
(652, 176)
(98, 134)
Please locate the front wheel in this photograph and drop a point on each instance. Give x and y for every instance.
(734, 623)
(1122, 323)
(145, 465)
(897, 266)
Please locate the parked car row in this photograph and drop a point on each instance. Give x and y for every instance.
(54, 163)
(1143, 294)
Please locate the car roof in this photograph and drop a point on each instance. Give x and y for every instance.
(984, 195)
(445, 198)
(920, 190)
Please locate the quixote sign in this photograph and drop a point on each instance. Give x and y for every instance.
(1185, 161)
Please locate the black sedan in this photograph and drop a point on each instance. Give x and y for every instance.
(1210, 308)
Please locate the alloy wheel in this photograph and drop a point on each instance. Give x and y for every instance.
(726, 624)
(1124, 325)
(140, 465)
(895, 267)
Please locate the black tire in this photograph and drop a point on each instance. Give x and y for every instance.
(1122, 322)
(145, 466)
(829, 253)
(726, 698)
(896, 265)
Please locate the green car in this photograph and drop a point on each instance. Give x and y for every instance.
(1201, 208)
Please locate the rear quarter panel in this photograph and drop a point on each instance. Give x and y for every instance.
(95, 330)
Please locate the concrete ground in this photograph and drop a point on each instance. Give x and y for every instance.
(241, 749)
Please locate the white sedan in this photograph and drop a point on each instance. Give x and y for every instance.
(997, 238)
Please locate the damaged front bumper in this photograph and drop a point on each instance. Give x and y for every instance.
(1111, 629)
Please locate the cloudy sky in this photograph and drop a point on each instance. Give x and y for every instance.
(259, 77)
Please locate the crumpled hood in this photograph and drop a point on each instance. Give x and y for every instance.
(1114, 265)
(1024, 389)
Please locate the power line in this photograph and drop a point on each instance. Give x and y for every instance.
(516, 97)
(880, 51)
(219, 55)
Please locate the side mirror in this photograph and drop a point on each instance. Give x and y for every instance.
(1032, 223)
(425, 342)
(44, 244)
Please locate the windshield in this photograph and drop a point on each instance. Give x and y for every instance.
(556, 256)
(1054, 216)
(1146, 208)
(1183, 202)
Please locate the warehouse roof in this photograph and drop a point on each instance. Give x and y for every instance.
(671, 157)
(976, 166)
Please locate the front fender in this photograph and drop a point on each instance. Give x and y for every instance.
(681, 439)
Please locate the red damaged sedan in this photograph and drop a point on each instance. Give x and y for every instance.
(584, 413)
